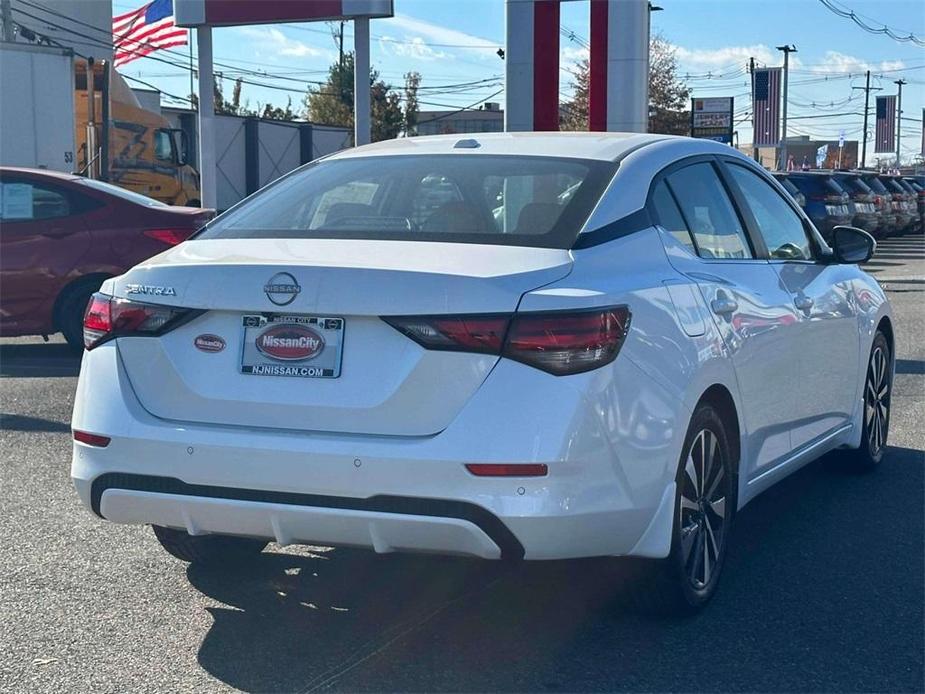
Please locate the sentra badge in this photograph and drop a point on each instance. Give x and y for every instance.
(151, 289)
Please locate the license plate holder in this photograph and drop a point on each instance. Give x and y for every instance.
(292, 345)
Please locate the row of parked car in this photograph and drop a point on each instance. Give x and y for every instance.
(882, 204)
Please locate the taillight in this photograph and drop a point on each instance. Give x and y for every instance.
(169, 236)
(560, 343)
(107, 317)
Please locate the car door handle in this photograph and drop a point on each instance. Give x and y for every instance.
(724, 305)
(804, 303)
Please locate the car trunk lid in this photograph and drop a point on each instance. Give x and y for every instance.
(385, 383)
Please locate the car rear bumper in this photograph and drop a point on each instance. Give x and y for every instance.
(388, 493)
(866, 221)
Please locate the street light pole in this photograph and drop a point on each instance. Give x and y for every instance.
(899, 118)
(783, 147)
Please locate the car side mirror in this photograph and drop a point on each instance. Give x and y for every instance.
(852, 245)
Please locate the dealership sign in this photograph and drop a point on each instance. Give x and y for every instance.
(711, 118)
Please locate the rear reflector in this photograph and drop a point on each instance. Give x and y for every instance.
(169, 236)
(508, 469)
(558, 342)
(91, 439)
(107, 317)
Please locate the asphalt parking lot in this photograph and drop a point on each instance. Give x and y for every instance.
(823, 591)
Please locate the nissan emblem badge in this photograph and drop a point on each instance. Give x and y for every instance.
(282, 289)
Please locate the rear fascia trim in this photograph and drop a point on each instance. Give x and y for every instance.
(487, 522)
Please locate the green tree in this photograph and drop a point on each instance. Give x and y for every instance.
(412, 83)
(669, 97)
(332, 102)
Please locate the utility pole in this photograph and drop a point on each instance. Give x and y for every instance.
(783, 146)
(867, 90)
(899, 117)
(6, 16)
(751, 71)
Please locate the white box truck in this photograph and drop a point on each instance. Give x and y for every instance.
(37, 107)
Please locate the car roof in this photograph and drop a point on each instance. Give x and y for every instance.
(45, 173)
(580, 145)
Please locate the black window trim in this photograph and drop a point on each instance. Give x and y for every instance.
(756, 245)
(726, 161)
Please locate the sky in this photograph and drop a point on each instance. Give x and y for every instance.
(455, 41)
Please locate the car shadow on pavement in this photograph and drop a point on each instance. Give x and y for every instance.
(18, 422)
(812, 578)
(910, 366)
(38, 360)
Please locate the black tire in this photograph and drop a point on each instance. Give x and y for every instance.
(875, 417)
(208, 550)
(70, 309)
(685, 581)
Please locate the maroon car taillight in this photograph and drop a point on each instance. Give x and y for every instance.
(108, 317)
(169, 236)
(558, 342)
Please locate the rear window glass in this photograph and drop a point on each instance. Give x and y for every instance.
(832, 186)
(877, 186)
(137, 198)
(788, 185)
(511, 200)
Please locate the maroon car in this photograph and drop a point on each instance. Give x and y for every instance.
(61, 235)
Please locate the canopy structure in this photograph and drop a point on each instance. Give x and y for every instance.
(205, 14)
(619, 61)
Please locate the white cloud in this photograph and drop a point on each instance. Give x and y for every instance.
(420, 31)
(414, 47)
(275, 42)
(711, 58)
(840, 62)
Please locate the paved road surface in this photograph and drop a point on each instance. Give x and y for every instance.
(823, 589)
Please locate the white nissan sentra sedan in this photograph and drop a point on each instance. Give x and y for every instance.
(535, 346)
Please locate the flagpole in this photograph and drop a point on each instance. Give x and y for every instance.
(783, 146)
(192, 88)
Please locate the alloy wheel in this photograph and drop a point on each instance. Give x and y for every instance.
(877, 400)
(702, 510)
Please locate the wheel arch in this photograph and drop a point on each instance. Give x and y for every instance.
(67, 288)
(886, 327)
(719, 397)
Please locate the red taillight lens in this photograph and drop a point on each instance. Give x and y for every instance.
(91, 439)
(108, 317)
(567, 343)
(455, 333)
(560, 343)
(169, 236)
(508, 469)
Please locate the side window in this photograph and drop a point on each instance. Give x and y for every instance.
(709, 213)
(163, 147)
(670, 217)
(26, 202)
(781, 227)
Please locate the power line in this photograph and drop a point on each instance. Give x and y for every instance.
(884, 29)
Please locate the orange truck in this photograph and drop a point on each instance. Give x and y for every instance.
(145, 154)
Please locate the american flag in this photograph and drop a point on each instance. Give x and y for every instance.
(145, 30)
(766, 107)
(885, 132)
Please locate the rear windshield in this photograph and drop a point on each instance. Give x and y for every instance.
(788, 186)
(464, 198)
(832, 186)
(877, 186)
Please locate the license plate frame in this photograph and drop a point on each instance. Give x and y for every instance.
(278, 353)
